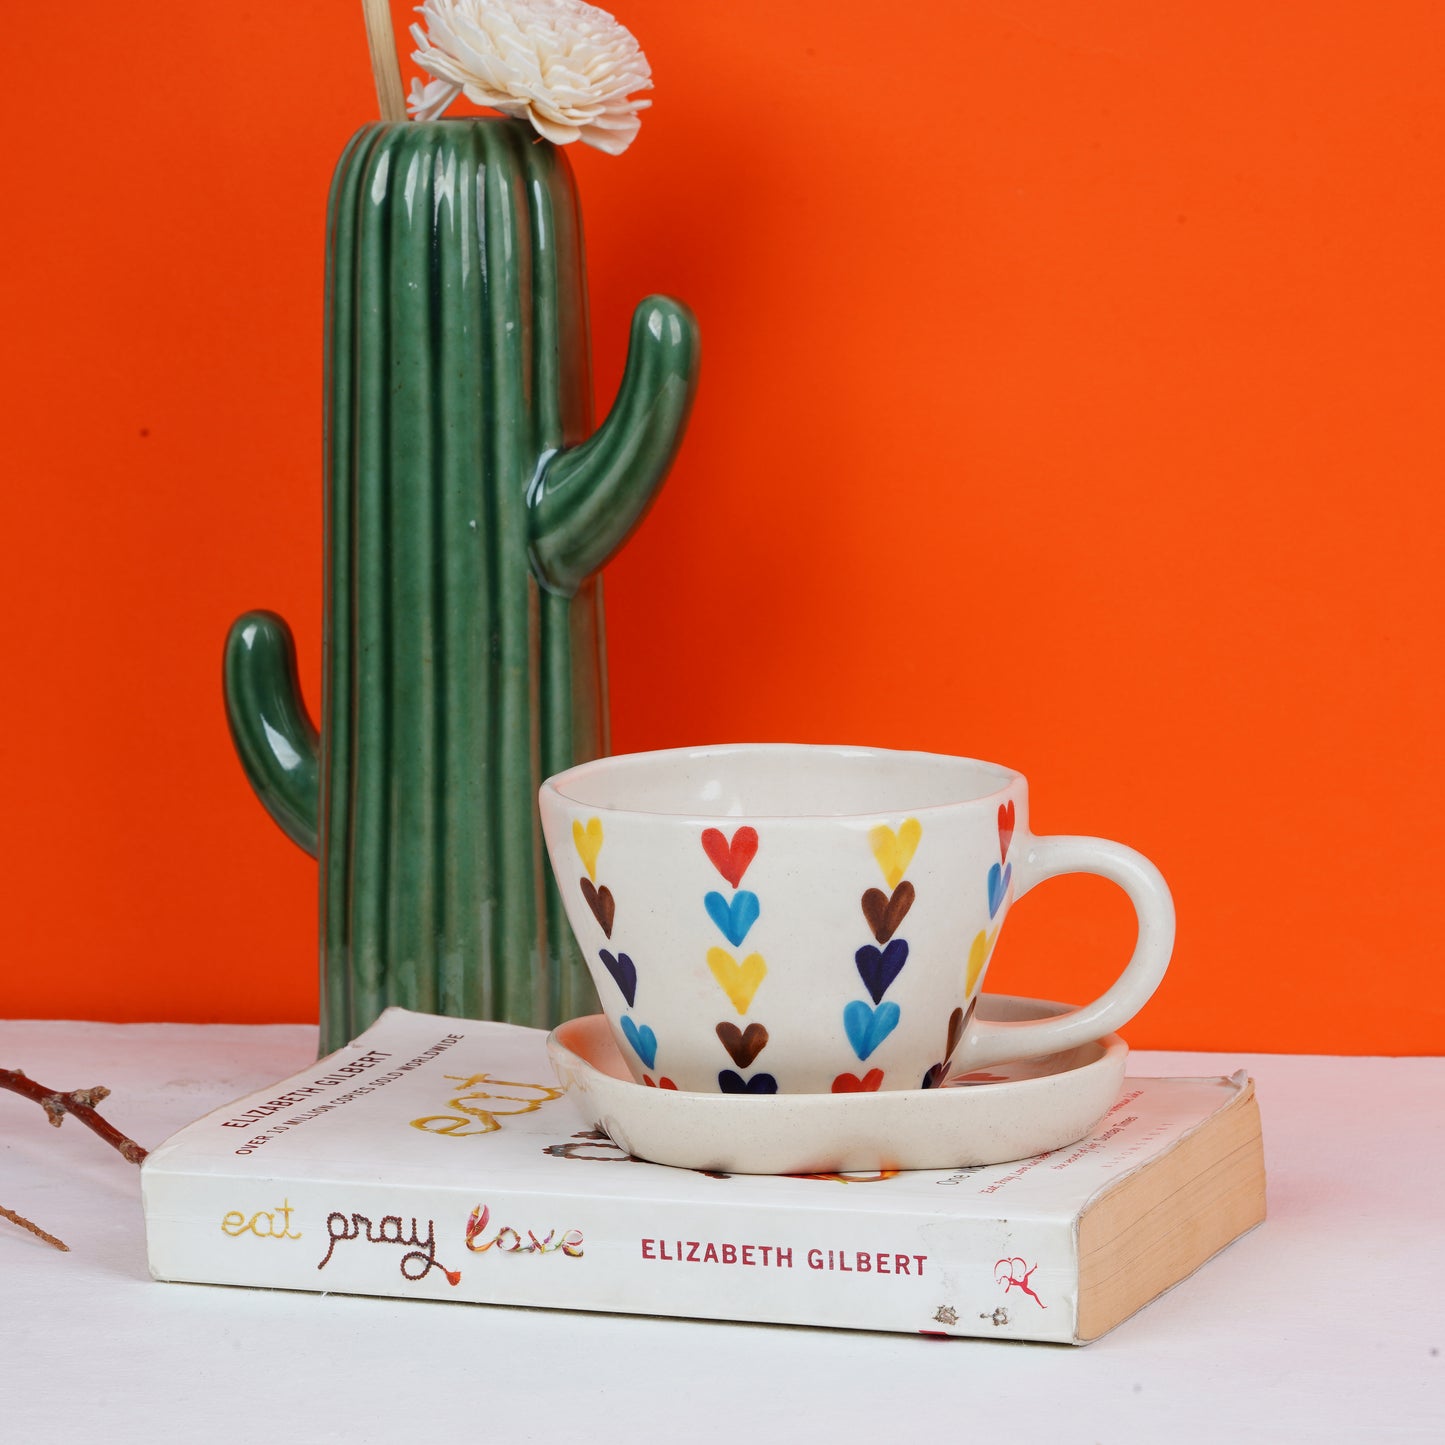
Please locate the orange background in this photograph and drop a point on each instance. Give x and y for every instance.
(1071, 398)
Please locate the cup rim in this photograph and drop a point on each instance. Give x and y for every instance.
(1009, 780)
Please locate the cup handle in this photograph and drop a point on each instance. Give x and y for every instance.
(988, 1042)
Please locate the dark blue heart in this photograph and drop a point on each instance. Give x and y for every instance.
(733, 1083)
(624, 975)
(998, 882)
(878, 968)
(735, 918)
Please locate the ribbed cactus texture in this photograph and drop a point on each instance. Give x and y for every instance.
(468, 507)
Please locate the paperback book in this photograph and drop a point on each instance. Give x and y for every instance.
(438, 1158)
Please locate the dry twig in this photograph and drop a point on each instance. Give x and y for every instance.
(78, 1102)
(35, 1229)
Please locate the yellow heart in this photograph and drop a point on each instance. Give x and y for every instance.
(738, 980)
(978, 953)
(894, 851)
(589, 843)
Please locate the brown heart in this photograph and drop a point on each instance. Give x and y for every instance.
(602, 904)
(883, 913)
(955, 1032)
(743, 1046)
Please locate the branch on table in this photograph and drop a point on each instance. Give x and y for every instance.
(35, 1229)
(80, 1103)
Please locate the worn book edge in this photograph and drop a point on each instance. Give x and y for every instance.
(1155, 1227)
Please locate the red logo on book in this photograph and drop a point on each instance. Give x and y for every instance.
(1015, 1273)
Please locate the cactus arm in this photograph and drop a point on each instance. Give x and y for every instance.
(585, 501)
(276, 740)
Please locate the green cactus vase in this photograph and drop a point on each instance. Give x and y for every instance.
(468, 507)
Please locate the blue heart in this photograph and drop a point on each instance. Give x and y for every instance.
(643, 1041)
(731, 1083)
(998, 882)
(736, 918)
(624, 974)
(866, 1027)
(878, 968)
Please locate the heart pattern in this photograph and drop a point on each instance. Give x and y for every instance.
(884, 912)
(587, 838)
(868, 1027)
(743, 1045)
(620, 968)
(735, 918)
(643, 1041)
(731, 859)
(878, 968)
(881, 962)
(999, 879)
(878, 964)
(937, 1074)
(601, 902)
(624, 974)
(663, 1083)
(731, 1083)
(740, 981)
(894, 851)
(588, 842)
(1006, 817)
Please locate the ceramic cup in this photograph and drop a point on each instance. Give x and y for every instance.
(776, 918)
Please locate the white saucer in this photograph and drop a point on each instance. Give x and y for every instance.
(1010, 1111)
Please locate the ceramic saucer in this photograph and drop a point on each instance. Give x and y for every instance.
(1009, 1111)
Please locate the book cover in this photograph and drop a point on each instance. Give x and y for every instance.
(438, 1158)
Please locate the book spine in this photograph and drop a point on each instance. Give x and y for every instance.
(855, 1267)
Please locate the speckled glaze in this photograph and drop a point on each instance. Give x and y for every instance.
(468, 506)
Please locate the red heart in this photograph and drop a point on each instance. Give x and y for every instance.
(852, 1084)
(1005, 827)
(663, 1083)
(731, 859)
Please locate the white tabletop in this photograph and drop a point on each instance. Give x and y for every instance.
(1326, 1325)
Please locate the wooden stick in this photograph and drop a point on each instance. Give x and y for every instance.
(385, 68)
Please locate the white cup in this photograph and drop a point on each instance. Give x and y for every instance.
(778, 918)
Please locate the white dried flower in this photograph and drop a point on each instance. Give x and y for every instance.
(567, 67)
